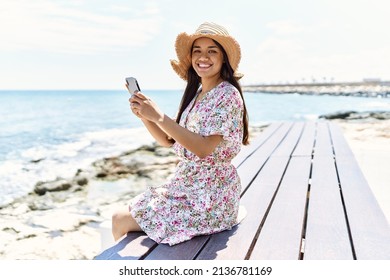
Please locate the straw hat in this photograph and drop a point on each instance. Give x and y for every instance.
(210, 30)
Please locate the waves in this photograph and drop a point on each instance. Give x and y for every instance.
(47, 162)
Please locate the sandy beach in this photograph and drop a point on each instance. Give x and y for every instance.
(62, 219)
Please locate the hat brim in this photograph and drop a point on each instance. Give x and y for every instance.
(184, 44)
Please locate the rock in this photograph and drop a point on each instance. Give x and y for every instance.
(164, 152)
(337, 115)
(353, 115)
(80, 180)
(139, 162)
(385, 115)
(41, 205)
(52, 186)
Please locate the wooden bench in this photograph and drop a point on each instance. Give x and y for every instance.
(305, 196)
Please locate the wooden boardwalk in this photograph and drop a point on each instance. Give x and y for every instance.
(305, 196)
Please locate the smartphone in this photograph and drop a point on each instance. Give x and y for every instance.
(132, 85)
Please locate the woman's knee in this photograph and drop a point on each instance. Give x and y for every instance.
(119, 218)
(124, 222)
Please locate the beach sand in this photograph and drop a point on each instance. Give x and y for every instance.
(65, 224)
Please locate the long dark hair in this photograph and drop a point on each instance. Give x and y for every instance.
(227, 74)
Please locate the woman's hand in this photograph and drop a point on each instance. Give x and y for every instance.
(144, 108)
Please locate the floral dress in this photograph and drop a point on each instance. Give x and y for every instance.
(203, 195)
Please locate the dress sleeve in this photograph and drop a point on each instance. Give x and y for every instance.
(225, 116)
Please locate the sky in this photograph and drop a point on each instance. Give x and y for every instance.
(95, 44)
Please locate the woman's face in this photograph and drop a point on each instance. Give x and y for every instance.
(207, 58)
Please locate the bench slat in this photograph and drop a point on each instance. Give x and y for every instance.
(246, 151)
(306, 142)
(340, 145)
(250, 167)
(133, 246)
(326, 231)
(323, 145)
(369, 227)
(182, 251)
(280, 237)
(288, 144)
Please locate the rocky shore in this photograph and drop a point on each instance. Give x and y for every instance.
(60, 219)
(362, 89)
(353, 115)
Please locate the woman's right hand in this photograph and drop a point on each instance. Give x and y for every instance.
(134, 106)
(145, 108)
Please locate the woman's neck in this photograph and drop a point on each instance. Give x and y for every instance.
(209, 84)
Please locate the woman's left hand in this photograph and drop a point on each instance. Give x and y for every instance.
(145, 108)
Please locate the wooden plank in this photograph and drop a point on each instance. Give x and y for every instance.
(132, 247)
(267, 148)
(236, 244)
(280, 237)
(289, 142)
(246, 151)
(340, 145)
(326, 232)
(251, 166)
(306, 142)
(323, 145)
(369, 227)
(247, 173)
(182, 251)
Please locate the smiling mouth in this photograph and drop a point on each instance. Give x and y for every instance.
(204, 66)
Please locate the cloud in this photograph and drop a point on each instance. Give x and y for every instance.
(70, 28)
(339, 49)
(286, 61)
(281, 47)
(285, 27)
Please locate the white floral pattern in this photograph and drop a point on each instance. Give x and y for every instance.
(203, 195)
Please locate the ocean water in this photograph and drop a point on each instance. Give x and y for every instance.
(45, 135)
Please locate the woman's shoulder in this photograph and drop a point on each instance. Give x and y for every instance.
(227, 91)
(226, 86)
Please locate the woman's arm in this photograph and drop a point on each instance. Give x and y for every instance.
(146, 109)
(160, 136)
(202, 146)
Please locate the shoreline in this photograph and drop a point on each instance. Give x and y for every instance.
(61, 219)
(375, 89)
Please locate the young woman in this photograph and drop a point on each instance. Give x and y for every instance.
(212, 123)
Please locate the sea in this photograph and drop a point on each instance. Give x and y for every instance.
(50, 134)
